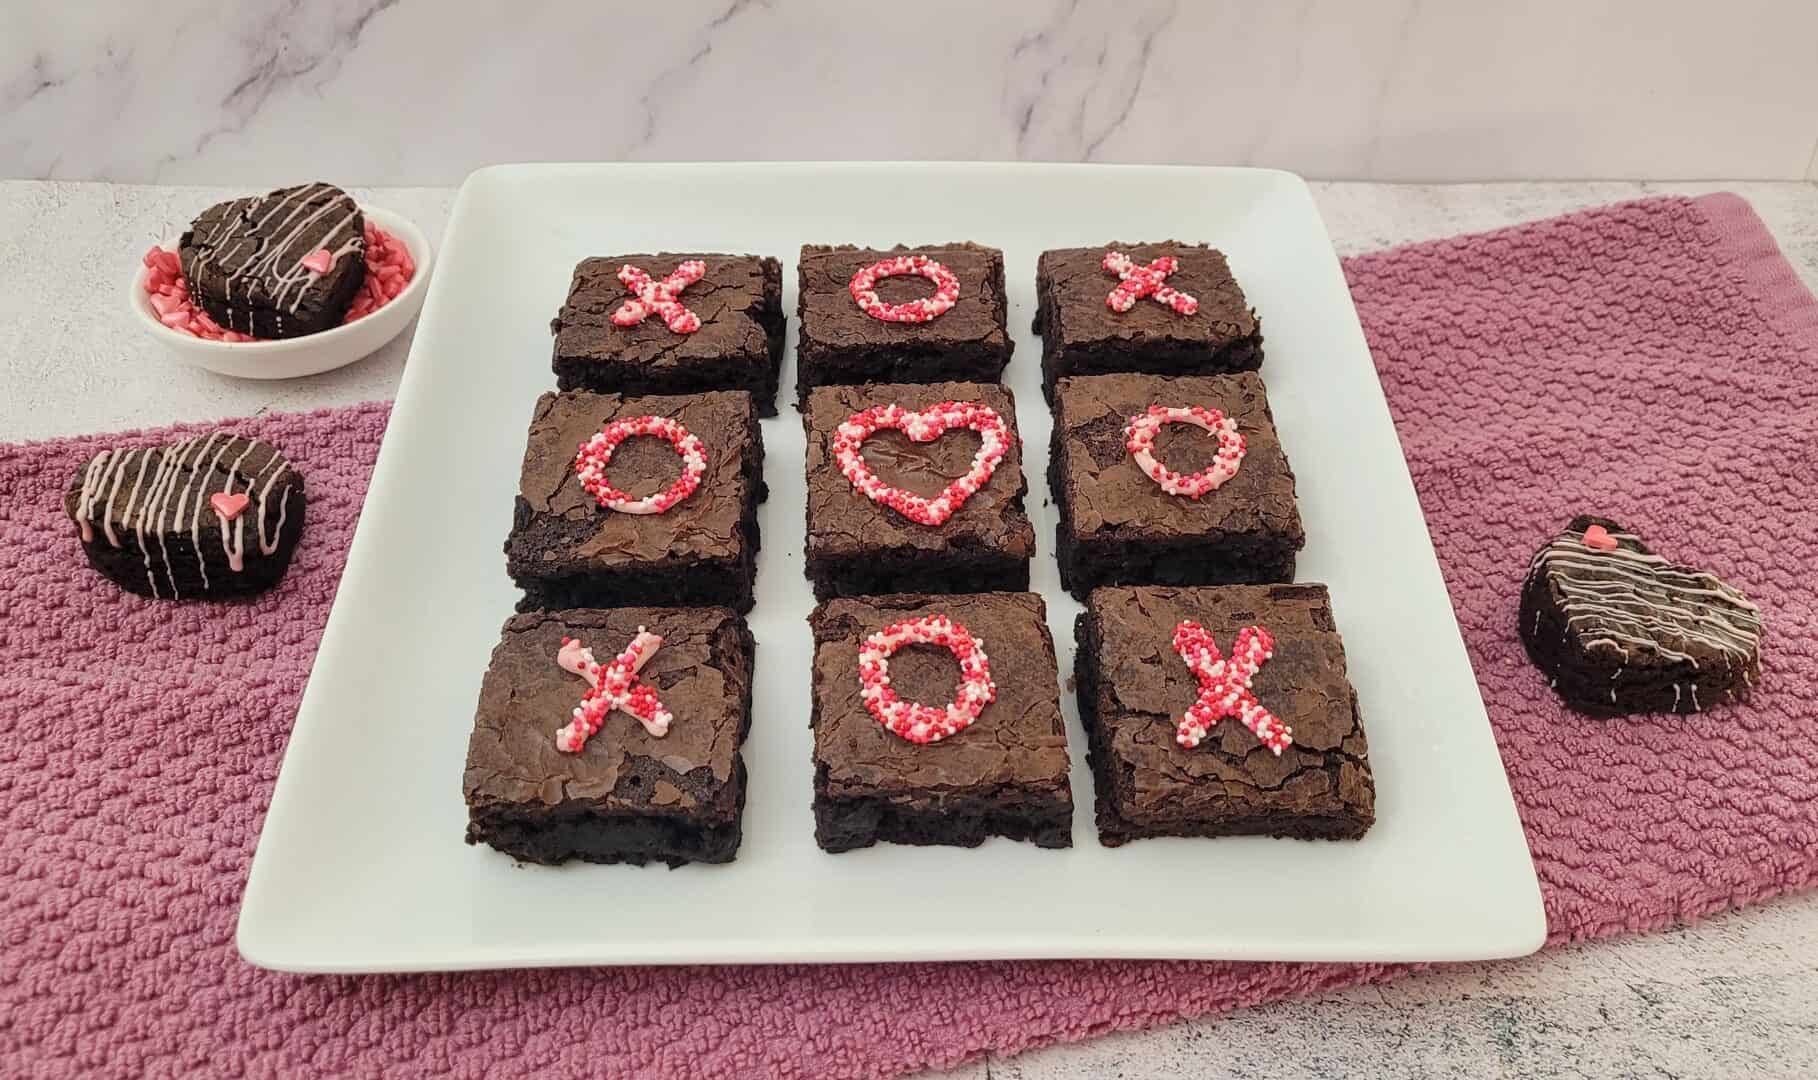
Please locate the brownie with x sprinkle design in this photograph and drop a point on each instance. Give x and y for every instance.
(1168, 309)
(1221, 711)
(670, 323)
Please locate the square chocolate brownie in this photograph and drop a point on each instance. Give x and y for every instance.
(658, 507)
(613, 736)
(673, 324)
(974, 746)
(1168, 308)
(1173, 481)
(280, 265)
(209, 517)
(915, 488)
(1270, 742)
(925, 314)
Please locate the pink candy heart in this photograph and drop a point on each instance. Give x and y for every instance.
(320, 260)
(1596, 536)
(229, 506)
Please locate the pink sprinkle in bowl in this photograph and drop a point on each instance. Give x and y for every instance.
(312, 354)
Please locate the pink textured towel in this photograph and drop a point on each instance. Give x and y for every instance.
(1652, 361)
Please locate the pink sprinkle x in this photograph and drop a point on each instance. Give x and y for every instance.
(659, 297)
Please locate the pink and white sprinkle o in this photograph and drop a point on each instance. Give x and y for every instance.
(652, 297)
(590, 464)
(389, 268)
(946, 289)
(1224, 685)
(1137, 281)
(1139, 438)
(924, 426)
(913, 720)
(611, 686)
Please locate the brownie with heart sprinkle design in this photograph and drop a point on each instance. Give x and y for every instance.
(937, 721)
(1171, 480)
(208, 517)
(915, 488)
(1169, 309)
(1619, 629)
(280, 265)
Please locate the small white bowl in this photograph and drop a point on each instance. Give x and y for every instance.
(288, 358)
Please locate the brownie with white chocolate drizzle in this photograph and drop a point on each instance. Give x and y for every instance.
(280, 265)
(1619, 629)
(208, 517)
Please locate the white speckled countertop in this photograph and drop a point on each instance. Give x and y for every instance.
(1734, 996)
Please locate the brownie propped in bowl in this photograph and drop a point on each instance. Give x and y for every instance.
(280, 265)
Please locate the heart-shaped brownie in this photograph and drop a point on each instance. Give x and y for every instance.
(210, 516)
(923, 426)
(279, 265)
(1619, 629)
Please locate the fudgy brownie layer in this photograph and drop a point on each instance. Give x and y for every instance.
(858, 547)
(579, 831)
(934, 817)
(1147, 785)
(1005, 775)
(1117, 526)
(1650, 636)
(1082, 336)
(739, 346)
(627, 796)
(840, 344)
(962, 569)
(125, 567)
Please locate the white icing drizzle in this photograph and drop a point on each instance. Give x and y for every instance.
(181, 481)
(1624, 597)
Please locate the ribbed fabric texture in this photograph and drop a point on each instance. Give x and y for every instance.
(1652, 362)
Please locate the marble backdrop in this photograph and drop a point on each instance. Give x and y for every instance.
(422, 91)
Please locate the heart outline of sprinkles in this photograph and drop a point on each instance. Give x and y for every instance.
(1139, 438)
(922, 426)
(591, 461)
(911, 720)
